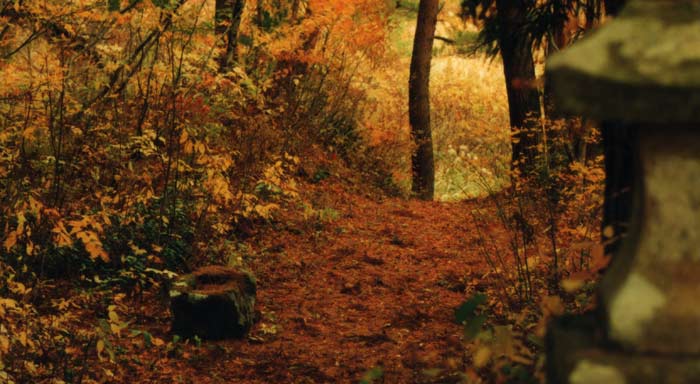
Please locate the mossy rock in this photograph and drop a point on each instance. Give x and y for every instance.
(213, 303)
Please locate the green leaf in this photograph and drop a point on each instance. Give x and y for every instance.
(114, 5)
(536, 340)
(467, 310)
(432, 372)
(104, 326)
(246, 40)
(161, 3)
(473, 327)
(147, 339)
(372, 375)
(266, 20)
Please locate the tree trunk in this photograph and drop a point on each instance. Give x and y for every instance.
(618, 145)
(519, 70)
(613, 7)
(422, 161)
(228, 15)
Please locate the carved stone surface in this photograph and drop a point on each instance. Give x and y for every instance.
(579, 354)
(650, 293)
(642, 69)
(213, 303)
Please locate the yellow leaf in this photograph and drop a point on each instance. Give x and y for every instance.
(4, 344)
(10, 303)
(572, 285)
(184, 137)
(115, 328)
(93, 246)
(609, 232)
(61, 236)
(100, 348)
(19, 288)
(503, 341)
(482, 357)
(137, 251)
(31, 367)
(10, 241)
(552, 305)
(72, 351)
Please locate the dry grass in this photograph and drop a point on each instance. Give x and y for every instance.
(469, 114)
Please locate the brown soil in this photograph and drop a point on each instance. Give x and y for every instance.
(375, 287)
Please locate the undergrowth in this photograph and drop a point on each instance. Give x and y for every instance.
(544, 253)
(127, 155)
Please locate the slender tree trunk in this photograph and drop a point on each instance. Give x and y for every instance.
(295, 10)
(228, 17)
(619, 143)
(519, 70)
(259, 13)
(422, 161)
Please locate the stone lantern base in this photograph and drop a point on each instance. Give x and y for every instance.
(578, 354)
(641, 70)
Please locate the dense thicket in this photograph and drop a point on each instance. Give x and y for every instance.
(146, 133)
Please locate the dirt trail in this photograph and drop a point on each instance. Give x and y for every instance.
(375, 287)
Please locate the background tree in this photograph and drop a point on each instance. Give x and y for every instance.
(514, 30)
(556, 23)
(423, 167)
(519, 70)
(228, 15)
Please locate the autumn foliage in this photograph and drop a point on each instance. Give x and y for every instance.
(124, 153)
(127, 155)
(119, 136)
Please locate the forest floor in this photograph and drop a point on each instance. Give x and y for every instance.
(374, 284)
(365, 281)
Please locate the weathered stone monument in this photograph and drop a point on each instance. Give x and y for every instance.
(213, 302)
(642, 70)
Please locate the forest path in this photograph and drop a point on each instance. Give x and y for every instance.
(363, 281)
(376, 286)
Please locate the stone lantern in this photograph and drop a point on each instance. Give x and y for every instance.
(641, 70)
